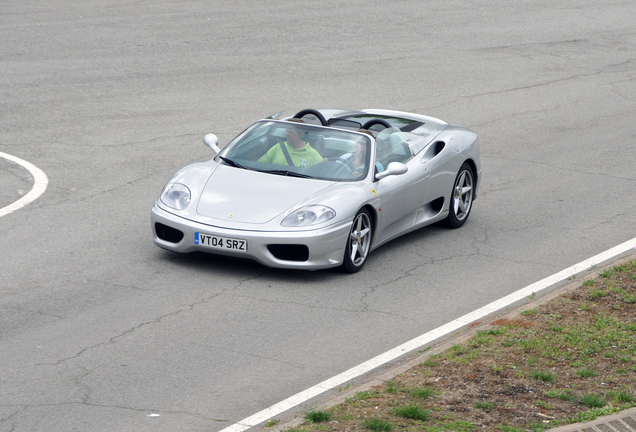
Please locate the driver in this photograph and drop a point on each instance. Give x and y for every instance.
(301, 153)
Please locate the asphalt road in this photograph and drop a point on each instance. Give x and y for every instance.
(101, 330)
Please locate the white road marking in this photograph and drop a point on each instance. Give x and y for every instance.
(39, 185)
(426, 338)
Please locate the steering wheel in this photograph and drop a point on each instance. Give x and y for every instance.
(374, 122)
(301, 114)
(340, 162)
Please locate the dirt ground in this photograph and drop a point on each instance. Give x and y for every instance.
(567, 360)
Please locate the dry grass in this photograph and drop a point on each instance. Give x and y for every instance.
(570, 359)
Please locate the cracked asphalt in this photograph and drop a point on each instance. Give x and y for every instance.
(100, 330)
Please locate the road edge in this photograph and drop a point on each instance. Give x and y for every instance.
(295, 417)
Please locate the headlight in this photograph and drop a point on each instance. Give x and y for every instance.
(310, 215)
(176, 196)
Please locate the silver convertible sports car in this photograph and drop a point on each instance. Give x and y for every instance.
(320, 189)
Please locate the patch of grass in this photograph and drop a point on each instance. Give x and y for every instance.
(360, 396)
(318, 416)
(378, 425)
(467, 356)
(627, 267)
(431, 362)
(596, 293)
(510, 342)
(592, 414)
(460, 426)
(543, 376)
(529, 312)
(622, 397)
(593, 400)
(586, 373)
(507, 428)
(543, 405)
(481, 338)
(391, 387)
(424, 392)
(413, 412)
(486, 406)
(562, 395)
(603, 322)
(589, 282)
(539, 427)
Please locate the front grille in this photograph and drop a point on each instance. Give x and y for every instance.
(289, 252)
(169, 234)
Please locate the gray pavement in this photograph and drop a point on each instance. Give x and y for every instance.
(100, 329)
(15, 181)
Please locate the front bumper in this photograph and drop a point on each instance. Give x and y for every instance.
(325, 246)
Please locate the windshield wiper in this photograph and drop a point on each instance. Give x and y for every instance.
(288, 173)
(231, 162)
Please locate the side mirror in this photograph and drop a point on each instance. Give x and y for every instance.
(212, 141)
(394, 168)
(276, 116)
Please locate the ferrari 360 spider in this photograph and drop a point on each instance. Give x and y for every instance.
(320, 189)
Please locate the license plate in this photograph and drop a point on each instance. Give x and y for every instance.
(216, 242)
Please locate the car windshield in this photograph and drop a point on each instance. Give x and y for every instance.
(300, 150)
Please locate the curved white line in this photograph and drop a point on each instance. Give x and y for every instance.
(39, 185)
(426, 338)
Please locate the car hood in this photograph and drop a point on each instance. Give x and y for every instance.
(243, 196)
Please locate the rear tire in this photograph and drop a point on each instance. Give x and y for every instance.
(461, 198)
(358, 242)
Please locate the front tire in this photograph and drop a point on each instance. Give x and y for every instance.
(461, 198)
(358, 242)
